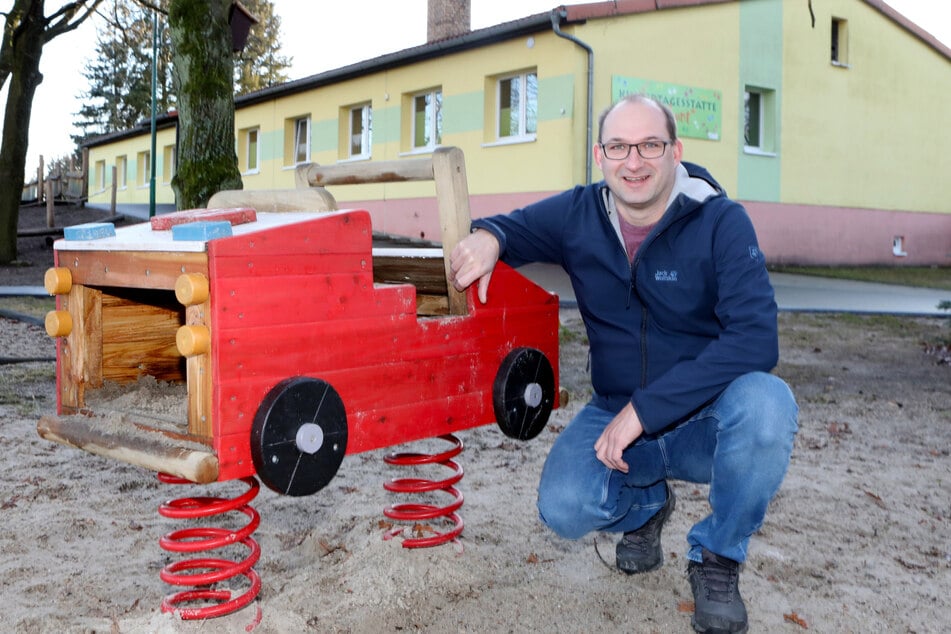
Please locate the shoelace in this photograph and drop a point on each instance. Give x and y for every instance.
(638, 540)
(719, 580)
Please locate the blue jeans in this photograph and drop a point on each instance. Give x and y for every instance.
(740, 444)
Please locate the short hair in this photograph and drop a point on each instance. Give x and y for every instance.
(671, 121)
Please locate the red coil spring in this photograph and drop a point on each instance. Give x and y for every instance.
(414, 512)
(192, 540)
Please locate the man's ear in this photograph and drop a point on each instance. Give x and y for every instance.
(598, 155)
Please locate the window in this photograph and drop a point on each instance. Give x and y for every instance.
(840, 42)
(753, 125)
(100, 175)
(427, 120)
(121, 167)
(360, 128)
(143, 168)
(296, 140)
(302, 140)
(248, 150)
(517, 106)
(168, 163)
(759, 124)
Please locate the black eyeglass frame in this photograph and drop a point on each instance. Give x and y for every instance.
(638, 146)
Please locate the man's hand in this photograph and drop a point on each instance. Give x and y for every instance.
(618, 436)
(474, 259)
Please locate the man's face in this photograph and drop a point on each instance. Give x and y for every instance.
(640, 186)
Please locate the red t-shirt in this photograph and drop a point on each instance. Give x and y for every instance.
(633, 235)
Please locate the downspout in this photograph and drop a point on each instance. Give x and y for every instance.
(556, 16)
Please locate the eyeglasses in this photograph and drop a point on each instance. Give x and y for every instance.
(646, 149)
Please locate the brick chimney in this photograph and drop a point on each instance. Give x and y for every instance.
(448, 18)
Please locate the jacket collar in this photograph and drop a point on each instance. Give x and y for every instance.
(696, 187)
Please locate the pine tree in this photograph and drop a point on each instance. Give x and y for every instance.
(261, 64)
(120, 76)
(26, 30)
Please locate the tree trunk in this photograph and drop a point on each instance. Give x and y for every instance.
(26, 48)
(203, 71)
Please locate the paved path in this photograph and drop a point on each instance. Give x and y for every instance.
(793, 293)
(801, 293)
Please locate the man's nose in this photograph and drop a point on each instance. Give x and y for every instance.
(633, 158)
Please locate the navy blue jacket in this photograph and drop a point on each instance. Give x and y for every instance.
(671, 330)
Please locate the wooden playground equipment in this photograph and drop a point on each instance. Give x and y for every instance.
(285, 341)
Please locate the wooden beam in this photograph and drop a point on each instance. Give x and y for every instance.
(315, 175)
(151, 450)
(452, 196)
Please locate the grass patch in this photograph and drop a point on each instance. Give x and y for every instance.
(921, 276)
(33, 306)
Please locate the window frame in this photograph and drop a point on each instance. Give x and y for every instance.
(431, 116)
(100, 172)
(169, 163)
(366, 132)
(249, 150)
(766, 120)
(839, 42)
(300, 143)
(143, 166)
(523, 120)
(122, 164)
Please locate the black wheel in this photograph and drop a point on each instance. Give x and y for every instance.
(299, 436)
(523, 393)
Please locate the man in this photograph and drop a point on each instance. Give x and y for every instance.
(681, 321)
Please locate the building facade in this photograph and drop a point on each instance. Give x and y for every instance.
(823, 120)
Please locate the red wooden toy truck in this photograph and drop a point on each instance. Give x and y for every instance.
(293, 341)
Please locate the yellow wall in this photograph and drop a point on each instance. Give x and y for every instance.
(694, 46)
(868, 136)
(871, 135)
(137, 185)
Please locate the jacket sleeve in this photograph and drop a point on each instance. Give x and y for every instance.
(531, 233)
(747, 340)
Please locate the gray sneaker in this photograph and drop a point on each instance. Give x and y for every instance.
(719, 608)
(639, 550)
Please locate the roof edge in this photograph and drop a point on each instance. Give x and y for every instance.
(898, 18)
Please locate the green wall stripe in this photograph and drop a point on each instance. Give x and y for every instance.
(761, 65)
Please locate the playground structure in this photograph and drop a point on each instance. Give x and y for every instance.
(286, 341)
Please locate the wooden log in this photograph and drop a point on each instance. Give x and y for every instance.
(115, 189)
(50, 218)
(277, 200)
(134, 445)
(314, 175)
(452, 195)
(84, 169)
(40, 187)
(425, 273)
(198, 375)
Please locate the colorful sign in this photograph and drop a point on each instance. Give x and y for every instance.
(697, 110)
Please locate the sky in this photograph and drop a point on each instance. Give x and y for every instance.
(318, 35)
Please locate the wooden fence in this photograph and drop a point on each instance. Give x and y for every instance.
(63, 182)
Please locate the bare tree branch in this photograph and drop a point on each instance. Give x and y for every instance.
(63, 20)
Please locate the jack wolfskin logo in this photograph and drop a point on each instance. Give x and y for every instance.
(665, 276)
(754, 253)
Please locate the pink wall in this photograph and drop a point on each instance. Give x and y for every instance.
(806, 234)
(419, 218)
(788, 234)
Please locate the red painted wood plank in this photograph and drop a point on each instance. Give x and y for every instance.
(343, 232)
(317, 347)
(408, 423)
(256, 265)
(305, 300)
(233, 215)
